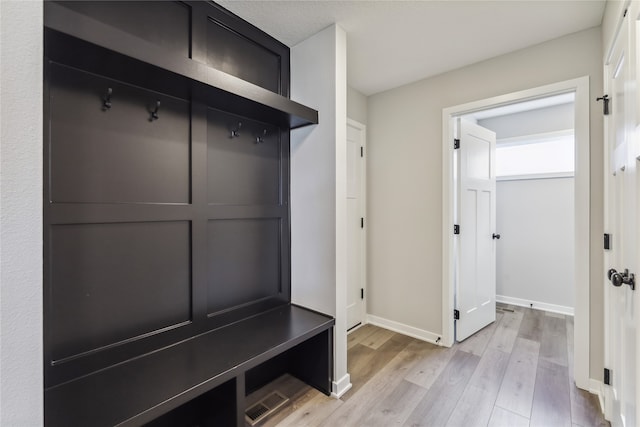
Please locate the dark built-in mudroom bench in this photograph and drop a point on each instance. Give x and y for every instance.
(167, 258)
(220, 366)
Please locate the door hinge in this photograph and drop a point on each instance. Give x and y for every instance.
(361, 222)
(456, 314)
(624, 15)
(361, 151)
(605, 104)
(361, 293)
(607, 376)
(607, 241)
(456, 144)
(456, 229)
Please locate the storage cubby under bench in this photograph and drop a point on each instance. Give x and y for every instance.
(229, 363)
(167, 252)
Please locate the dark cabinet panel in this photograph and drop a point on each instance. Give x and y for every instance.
(115, 155)
(166, 235)
(165, 23)
(114, 282)
(243, 261)
(78, 40)
(239, 56)
(244, 161)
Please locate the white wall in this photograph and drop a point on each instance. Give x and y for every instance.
(319, 185)
(535, 256)
(21, 375)
(535, 217)
(405, 176)
(542, 120)
(356, 105)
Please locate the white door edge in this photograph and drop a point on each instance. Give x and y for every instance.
(582, 205)
(363, 209)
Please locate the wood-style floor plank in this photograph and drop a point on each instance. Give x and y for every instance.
(377, 338)
(518, 384)
(478, 342)
(396, 407)
(379, 386)
(553, 344)
(313, 412)
(367, 366)
(441, 399)
(507, 331)
(551, 401)
(295, 404)
(425, 372)
(357, 335)
(473, 409)
(504, 418)
(476, 404)
(490, 371)
(531, 326)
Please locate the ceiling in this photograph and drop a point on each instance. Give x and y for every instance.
(393, 42)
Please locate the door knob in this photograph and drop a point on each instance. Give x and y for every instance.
(496, 236)
(618, 279)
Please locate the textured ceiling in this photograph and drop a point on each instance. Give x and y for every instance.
(391, 43)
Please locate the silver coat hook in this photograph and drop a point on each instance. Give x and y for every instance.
(154, 113)
(106, 101)
(236, 132)
(260, 138)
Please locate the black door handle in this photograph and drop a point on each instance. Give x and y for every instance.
(496, 236)
(618, 279)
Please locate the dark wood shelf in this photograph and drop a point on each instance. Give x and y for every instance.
(77, 40)
(140, 390)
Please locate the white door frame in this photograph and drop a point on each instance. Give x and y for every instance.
(580, 86)
(363, 211)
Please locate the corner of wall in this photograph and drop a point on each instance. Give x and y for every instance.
(356, 105)
(318, 185)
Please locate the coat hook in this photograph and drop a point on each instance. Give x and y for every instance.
(260, 138)
(106, 101)
(236, 132)
(154, 113)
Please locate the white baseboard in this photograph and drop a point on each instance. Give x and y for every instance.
(596, 387)
(401, 328)
(553, 308)
(341, 386)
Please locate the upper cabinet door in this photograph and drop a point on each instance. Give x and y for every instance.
(234, 46)
(165, 23)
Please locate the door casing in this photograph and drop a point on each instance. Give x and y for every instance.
(580, 86)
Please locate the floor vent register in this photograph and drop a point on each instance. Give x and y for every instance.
(265, 407)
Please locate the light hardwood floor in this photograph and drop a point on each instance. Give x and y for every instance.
(514, 372)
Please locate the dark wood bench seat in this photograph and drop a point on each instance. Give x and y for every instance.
(144, 388)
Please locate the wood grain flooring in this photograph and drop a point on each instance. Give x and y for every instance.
(515, 372)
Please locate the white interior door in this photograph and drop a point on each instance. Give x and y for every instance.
(621, 222)
(355, 227)
(476, 245)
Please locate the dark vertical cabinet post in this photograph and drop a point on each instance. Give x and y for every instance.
(166, 230)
